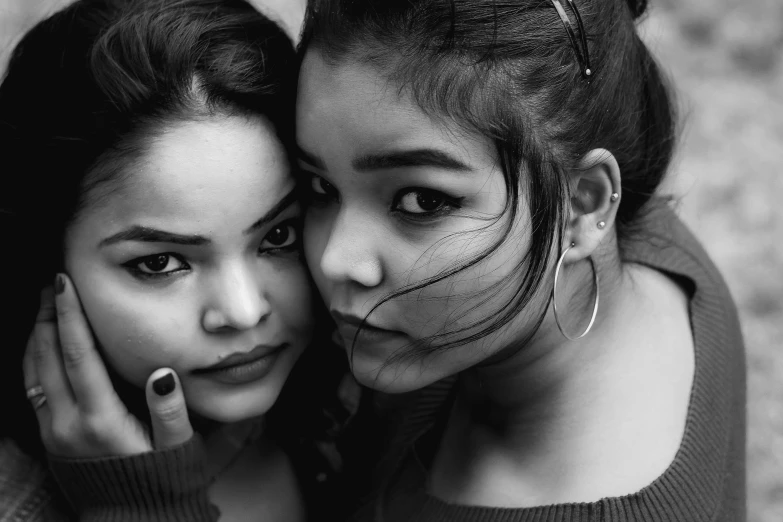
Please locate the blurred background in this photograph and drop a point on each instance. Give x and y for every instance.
(725, 57)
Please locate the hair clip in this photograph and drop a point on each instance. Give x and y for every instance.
(582, 55)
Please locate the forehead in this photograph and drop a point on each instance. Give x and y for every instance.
(358, 102)
(355, 91)
(364, 111)
(202, 170)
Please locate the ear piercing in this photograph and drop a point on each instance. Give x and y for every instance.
(613, 198)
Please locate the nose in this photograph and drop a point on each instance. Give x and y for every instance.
(350, 254)
(238, 301)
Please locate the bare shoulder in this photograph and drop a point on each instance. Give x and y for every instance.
(665, 304)
(647, 391)
(664, 366)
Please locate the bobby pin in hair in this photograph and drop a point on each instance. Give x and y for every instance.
(582, 55)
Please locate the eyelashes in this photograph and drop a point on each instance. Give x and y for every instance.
(282, 238)
(285, 236)
(411, 202)
(421, 202)
(321, 189)
(157, 265)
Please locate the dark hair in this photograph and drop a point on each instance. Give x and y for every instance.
(84, 92)
(507, 71)
(637, 7)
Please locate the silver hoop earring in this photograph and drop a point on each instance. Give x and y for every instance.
(554, 294)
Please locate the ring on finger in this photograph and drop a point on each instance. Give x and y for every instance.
(36, 396)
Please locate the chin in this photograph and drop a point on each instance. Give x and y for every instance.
(398, 377)
(232, 408)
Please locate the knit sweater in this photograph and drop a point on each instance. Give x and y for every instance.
(706, 480)
(166, 485)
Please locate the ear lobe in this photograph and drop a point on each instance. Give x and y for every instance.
(595, 194)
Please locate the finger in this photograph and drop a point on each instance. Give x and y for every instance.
(47, 313)
(168, 411)
(31, 375)
(89, 379)
(47, 366)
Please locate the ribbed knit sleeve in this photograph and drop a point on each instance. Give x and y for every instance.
(169, 485)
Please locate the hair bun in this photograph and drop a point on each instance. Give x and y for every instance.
(637, 7)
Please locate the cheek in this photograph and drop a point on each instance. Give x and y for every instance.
(136, 334)
(317, 229)
(473, 293)
(291, 293)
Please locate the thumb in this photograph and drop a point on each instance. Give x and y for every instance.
(170, 424)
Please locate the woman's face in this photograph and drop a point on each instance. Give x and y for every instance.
(191, 262)
(397, 198)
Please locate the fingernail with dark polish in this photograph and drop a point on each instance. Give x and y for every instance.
(164, 385)
(59, 284)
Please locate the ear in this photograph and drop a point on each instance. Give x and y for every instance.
(595, 197)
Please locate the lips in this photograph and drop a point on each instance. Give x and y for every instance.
(241, 369)
(343, 319)
(350, 325)
(241, 359)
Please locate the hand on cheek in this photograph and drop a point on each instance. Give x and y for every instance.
(78, 410)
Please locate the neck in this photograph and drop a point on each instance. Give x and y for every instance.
(535, 389)
(576, 421)
(544, 389)
(224, 443)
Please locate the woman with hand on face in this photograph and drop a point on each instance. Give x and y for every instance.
(484, 227)
(146, 148)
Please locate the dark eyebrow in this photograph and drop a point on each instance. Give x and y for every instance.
(153, 235)
(308, 158)
(288, 200)
(409, 158)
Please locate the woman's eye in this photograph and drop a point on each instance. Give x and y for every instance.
(422, 201)
(158, 264)
(321, 187)
(281, 236)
